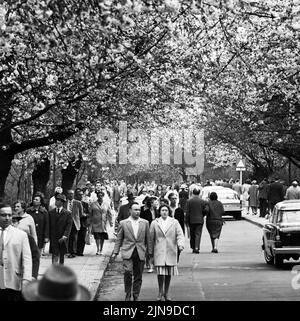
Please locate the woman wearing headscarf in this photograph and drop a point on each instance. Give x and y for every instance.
(166, 238)
(214, 220)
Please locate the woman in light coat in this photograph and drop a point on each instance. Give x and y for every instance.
(26, 222)
(166, 238)
(100, 213)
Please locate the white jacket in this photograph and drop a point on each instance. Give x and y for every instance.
(17, 259)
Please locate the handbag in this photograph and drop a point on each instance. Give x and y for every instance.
(88, 237)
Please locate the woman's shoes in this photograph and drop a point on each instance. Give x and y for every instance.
(160, 297)
(167, 298)
(214, 251)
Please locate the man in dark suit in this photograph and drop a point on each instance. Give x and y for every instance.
(124, 211)
(116, 197)
(134, 238)
(275, 194)
(76, 209)
(60, 227)
(196, 209)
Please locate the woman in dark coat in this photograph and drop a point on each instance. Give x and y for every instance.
(214, 220)
(41, 218)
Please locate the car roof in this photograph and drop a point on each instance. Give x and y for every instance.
(218, 189)
(289, 205)
(208, 188)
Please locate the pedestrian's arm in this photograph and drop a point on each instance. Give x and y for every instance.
(46, 226)
(119, 240)
(33, 231)
(179, 236)
(110, 216)
(80, 209)
(205, 209)
(152, 237)
(26, 260)
(147, 240)
(187, 216)
(68, 228)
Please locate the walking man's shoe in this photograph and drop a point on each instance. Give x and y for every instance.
(128, 297)
(135, 298)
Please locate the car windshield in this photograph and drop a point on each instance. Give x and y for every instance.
(289, 216)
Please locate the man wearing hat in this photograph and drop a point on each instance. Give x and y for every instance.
(59, 283)
(60, 221)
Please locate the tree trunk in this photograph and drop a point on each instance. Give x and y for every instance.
(5, 160)
(41, 175)
(5, 165)
(69, 174)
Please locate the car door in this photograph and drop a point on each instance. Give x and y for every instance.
(270, 232)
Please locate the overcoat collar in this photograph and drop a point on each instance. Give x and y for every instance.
(169, 224)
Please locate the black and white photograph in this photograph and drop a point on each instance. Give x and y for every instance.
(149, 151)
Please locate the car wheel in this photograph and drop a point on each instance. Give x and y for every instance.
(278, 260)
(238, 216)
(268, 258)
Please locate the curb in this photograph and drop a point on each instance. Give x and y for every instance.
(95, 289)
(253, 222)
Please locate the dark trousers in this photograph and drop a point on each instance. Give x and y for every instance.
(81, 240)
(271, 207)
(60, 256)
(133, 267)
(263, 205)
(72, 248)
(10, 295)
(195, 238)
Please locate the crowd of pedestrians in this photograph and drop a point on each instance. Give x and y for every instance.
(150, 221)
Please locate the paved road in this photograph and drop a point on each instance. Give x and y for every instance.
(237, 272)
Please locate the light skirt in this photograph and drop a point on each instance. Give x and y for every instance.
(167, 270)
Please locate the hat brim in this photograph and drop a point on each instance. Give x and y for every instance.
(30, 293)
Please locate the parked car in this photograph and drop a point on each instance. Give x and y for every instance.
(228, 197)
(281, 235)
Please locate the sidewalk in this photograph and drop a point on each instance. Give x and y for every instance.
(254, 219)
(88, 268)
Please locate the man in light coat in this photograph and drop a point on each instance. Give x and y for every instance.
(15, 257)
(134, 238)
(293, 192)
(76, 209)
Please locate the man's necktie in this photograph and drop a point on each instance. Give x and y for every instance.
(70, 206)
(1, 247)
